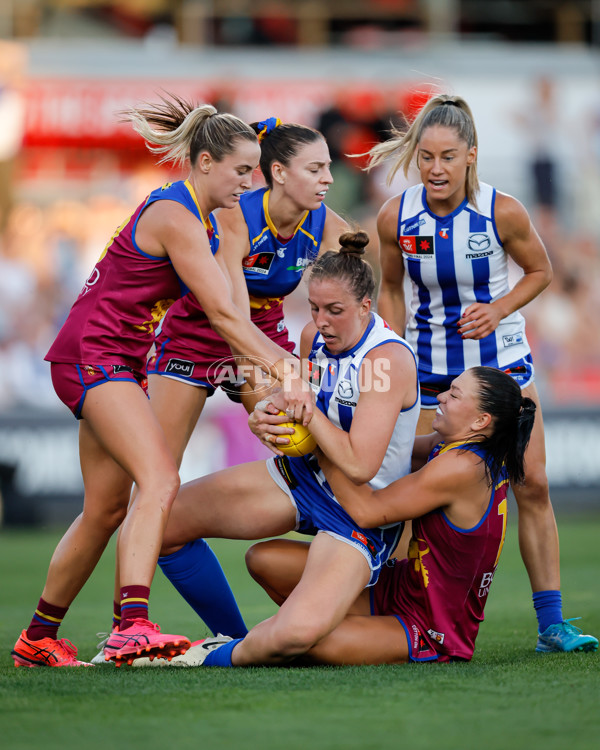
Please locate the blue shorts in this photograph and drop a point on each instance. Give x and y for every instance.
(318, 510)
(433, 384)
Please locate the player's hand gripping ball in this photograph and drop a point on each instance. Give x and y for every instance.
(301, 442)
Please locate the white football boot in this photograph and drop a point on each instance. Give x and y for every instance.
(99, 659)
(193, 657)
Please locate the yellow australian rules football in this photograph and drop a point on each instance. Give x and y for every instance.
(301, 442)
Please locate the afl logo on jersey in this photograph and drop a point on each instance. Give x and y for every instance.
(415, 245)
(479, 242)
(259, 263)
(315, 374)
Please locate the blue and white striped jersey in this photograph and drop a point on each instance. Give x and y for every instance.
(452, 262)
(337, 382)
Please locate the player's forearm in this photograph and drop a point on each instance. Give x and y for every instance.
(357, 465)
(246, 340)
(356, 499)
(524, 291)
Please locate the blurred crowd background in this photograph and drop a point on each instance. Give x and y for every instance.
(70, 172)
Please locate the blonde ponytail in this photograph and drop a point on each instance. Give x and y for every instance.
(445, 110)
(179, 130)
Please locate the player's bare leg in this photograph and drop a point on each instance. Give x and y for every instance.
(333, 578)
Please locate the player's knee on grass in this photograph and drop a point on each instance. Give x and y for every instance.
(296, 636)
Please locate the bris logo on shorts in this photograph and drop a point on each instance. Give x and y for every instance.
(180, 367)
(438, 637)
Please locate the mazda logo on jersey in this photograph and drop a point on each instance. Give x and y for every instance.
(345, 389)
(414, 245)
(479, 242)
(259, 263)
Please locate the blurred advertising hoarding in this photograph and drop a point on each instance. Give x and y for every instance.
(80, 114)
(40, 478)
(85, 112)
(63, 112)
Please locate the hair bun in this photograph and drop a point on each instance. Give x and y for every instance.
(528, 406)
(354, 242)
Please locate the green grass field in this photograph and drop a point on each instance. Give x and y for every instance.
(508, 697)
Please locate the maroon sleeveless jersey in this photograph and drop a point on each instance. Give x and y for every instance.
(113, 320)
(444, 584)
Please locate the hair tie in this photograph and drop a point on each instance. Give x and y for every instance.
(267, 126)
(451, 102)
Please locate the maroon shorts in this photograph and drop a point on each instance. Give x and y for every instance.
(72, 382)
(189, 350)
(385, 601)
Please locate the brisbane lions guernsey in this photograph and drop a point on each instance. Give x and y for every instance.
(444, 584)
(114, 318)
(453, 261)
(272, 270)
(274, 265)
